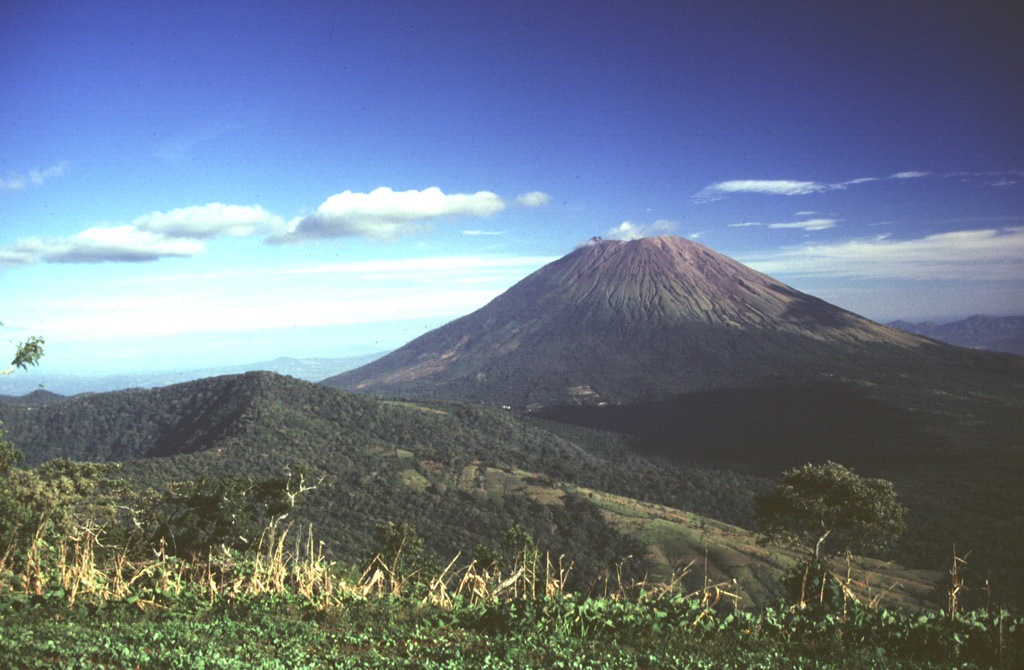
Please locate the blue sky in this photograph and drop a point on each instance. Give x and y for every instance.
(186, 184)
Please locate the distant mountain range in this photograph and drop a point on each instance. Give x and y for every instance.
(310, 369)
(995, 333)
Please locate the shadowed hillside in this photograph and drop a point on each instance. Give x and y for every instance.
(440, 467)
(464, 474)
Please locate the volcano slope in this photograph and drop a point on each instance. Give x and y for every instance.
(625, 322)
(708, 362)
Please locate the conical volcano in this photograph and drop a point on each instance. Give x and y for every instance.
(620, 322)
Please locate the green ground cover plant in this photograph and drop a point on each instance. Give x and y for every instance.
(546, 632)
(285, 606)
(96, 573)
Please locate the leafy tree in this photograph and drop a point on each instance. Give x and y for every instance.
(60, 499)
(8, 454)
(522, 548)
(27, 353)
(231, 512)
(829, 509)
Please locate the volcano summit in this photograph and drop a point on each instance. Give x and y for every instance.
(623, 322)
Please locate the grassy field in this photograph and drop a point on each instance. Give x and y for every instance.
(74, 603)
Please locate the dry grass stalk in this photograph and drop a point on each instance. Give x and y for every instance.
(957, 584)
(554, 583)
(34, 578)
(7, 565)
(81, 571)
(438, 592)
(82, 566)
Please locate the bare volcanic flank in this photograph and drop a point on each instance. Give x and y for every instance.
(628, 321)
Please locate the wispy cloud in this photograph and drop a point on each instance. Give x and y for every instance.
(212, 220)
(628, 230)
(533, 199)
(761, 186)
(385, 214)
(33, 178)
(1001, 178)
(991, 254)
(723, 189)
(809, 224)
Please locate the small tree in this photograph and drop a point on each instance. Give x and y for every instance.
(828, 509)
(230, 512)
(27, 353)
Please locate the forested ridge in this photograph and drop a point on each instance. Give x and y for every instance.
(376, 460)
(435, 466)
(453, 536)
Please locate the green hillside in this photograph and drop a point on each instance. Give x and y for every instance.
(461, 474)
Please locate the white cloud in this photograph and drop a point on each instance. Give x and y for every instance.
(784, 186)
(763, 186)
(385, 214)
(212, 220)
(992, 254)
(149, 237)
(97, 245)
(805, 213)
(628, 230)
(13, 183)
(809, 224)
(722, 189)
(34, 177)
(533, 199)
